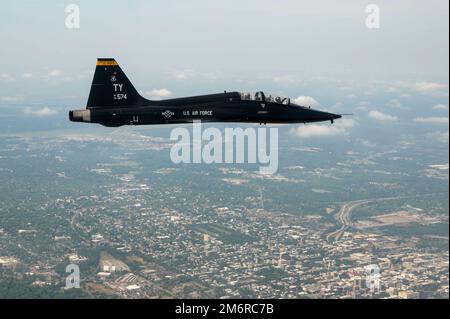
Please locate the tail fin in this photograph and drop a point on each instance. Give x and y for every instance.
(111, 87)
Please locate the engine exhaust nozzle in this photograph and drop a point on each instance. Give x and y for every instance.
(80, 115)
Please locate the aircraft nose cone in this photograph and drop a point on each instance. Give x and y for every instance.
(335, 116)
(329, 116)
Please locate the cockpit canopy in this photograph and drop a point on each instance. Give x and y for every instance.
(260, 96)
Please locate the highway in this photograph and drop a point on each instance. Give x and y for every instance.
(344, 215)
(344, 218)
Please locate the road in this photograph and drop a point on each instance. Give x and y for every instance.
(344, 215)
(344, 218)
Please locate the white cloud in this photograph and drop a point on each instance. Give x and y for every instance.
(394, 103)
(440, 107)
(306, 101)
(363, 106)
(382, 117)
(158, 94)
(439, 136)
(6, 77)
(283, 79)
(364, 103)
(432, 120)
(191, 73)
(392, 90)
(430, 87)
(27, 75)
(55, 73)
(366, 142)
(10, 98)
(340, 127)
(180, 76)
(43, 112)
(209, 75)
(337, 105)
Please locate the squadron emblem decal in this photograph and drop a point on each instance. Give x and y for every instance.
(168, 113)
(113, 77)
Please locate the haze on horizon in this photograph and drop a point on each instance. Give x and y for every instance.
(320, 52)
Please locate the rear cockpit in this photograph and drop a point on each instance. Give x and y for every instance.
(260, 96)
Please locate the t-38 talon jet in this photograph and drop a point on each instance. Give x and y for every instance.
(113, 101)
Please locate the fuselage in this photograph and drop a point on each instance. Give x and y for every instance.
(222, 107)
(113, 101)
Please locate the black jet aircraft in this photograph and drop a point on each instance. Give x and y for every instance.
(113, 101)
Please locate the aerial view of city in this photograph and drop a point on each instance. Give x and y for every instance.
(357, 208)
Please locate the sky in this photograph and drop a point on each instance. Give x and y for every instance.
(318, 52)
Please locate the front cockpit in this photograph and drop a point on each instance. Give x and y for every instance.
(260, 96)
(288, 112)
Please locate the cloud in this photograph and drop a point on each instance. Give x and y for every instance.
(191, 73)
(321, 130)
(283, 79)
(306, 101)
(439, 136)
(440, 107)
(382, 117)
(55, 73)
(337, 105)
(6, 77)
(158, 94)
(43, 112)
(366, 142)
(432, 120)
(430, 87)
(11, 98)
(180, 76)
(209, 75)
(395, 103)
(363, 106)
(392, 90)
(27, 75)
